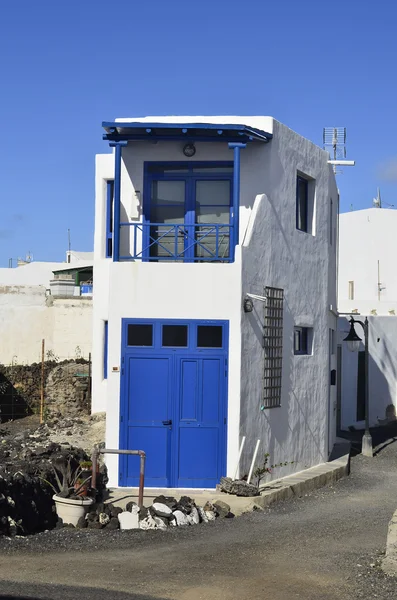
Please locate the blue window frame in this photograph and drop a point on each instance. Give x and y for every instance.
(302, 204)
(109, 217)
(105, 349)
(187, 211)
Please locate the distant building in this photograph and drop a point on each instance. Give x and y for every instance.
(367, 286)
(40, 300)
(215, 297)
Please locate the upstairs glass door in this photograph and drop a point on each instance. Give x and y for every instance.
(187, 214)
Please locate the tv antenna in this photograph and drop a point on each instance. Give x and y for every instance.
(377, 202)
(334, 140)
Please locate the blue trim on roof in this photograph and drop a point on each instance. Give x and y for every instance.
(214, 132)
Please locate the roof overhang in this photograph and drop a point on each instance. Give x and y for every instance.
(191, 132)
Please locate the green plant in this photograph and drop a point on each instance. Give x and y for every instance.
(86, 465)
(262, 470)
(67, 477)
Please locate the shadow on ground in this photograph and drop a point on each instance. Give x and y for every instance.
(382, 437)
(23, 591)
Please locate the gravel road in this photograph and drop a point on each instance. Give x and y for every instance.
(326, 545)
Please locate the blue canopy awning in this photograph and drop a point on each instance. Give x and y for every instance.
(192, 132)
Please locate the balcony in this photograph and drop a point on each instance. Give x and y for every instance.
(179, 242)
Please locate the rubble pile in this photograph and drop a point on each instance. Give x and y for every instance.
(26, 472)
(26, 505)
(164, 512)
(238, 487)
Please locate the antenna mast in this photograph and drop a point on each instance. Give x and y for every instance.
(334, 140)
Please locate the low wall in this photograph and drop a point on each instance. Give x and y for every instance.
(67, 389)
(27, 316)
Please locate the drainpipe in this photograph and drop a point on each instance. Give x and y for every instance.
(236, 147)
(117, 192)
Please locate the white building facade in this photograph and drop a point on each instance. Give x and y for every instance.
(30, 312)
(367, 287)
(197, 221)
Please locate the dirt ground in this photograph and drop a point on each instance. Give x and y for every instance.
(326, 545)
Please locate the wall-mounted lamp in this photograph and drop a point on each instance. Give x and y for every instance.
(248, 301)
(189, 150)
(248, 305)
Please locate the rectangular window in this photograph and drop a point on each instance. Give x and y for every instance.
(303, 340)
(361, 387)
(273, 347)
(175, 335)
(351, 290)
(331, 221)
(305, 204)
(209, 336)
(140, 335)
(332, 342)
(105, 350)
(109, 217)
(302, 204)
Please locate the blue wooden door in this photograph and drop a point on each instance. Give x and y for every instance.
(198, 432)
(148, 382)
(173, 402)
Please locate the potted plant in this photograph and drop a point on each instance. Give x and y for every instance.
(71, 489)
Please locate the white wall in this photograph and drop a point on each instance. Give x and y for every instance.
(34, 273)
(27, 317)
(382, 370)
(366, 237)
(277, 254)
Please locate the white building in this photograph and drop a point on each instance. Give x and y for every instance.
(367, 282)
(194, 214)
(31, 309)
(367, 286)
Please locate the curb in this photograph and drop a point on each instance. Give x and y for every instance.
(389, 563)
(303, 482)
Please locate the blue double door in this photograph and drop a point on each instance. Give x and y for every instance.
(173, 402)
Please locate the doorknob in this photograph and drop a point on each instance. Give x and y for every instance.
(167, 422)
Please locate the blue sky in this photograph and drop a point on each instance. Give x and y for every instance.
(66, 66)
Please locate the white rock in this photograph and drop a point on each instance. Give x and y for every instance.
(211, 516)
(203, 514)
(162, 510)
(194, 518)
(181, 518)
(134, 510)
(128, 520)
(148, 523)
(159, 523)
(103, 518)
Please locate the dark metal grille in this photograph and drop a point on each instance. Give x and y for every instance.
(273, 346)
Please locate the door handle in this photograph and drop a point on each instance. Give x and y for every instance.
(167, 422)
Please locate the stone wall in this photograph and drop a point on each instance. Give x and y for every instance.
(66, 389)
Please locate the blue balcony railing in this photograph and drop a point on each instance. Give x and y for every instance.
(178, 242)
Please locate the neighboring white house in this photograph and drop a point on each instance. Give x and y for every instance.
(35, 306)
(197, 220)
(367, 281)
(367, 286)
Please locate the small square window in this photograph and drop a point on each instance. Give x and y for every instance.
(303, 340)
(209, 336)
(140, 335)
(175, 335)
